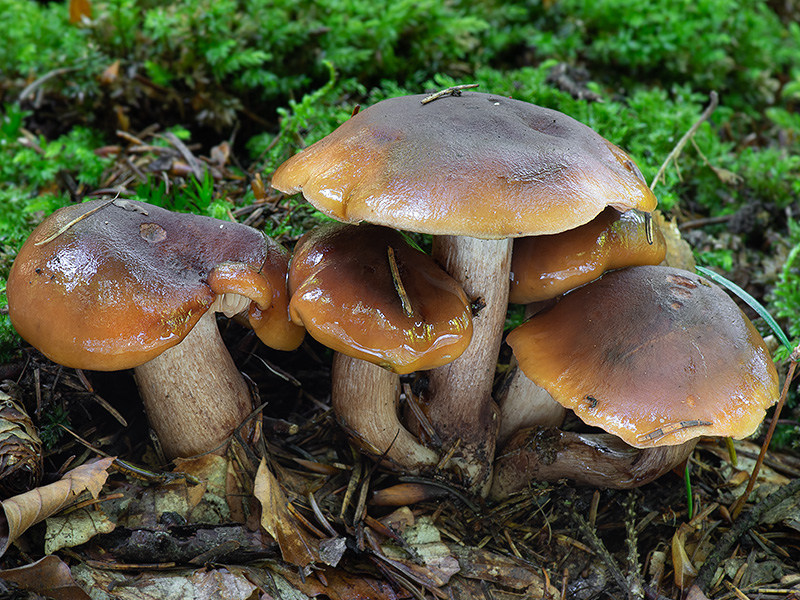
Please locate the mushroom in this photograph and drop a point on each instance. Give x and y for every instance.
(123, 284)
(386, 308)
(474, 170)
(655, 356)
(546, 266)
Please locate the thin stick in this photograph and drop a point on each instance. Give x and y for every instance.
(673, 155)
(66, 227)
(453, 90)
(740, 502)
(398, 284)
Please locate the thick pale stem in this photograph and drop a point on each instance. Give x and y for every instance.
(600, 459)
(460, 403)
(194, 395)
(524, 404)
(365, 398)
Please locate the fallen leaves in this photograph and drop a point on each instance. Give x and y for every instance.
(22, 511)
(296, 547)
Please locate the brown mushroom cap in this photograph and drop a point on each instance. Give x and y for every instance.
(654, 355)
(110, 285)
(546, 266)
(477, 164)
(345, 294)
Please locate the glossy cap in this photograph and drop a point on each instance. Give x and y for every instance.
(546, 266)
(110, 285)
(654, 355)
(479, 165)
(346, 295)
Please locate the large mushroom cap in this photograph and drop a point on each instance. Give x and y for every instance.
(546, 266)
(110, 285)
(477, 164)
(654, 355)
(365, 292)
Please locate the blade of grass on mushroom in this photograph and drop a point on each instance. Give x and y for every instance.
(751, 302)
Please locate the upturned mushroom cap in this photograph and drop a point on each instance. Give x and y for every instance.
(350, 296)
(477, 164)
(110, 285)
(546, 266)
(654, 355)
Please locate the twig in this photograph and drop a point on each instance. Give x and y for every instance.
(740, 502)
(38, 83)
(673, 155)
(66, 227)
(601, 550)
(405, 301)
(187, 155)
(739, 527)
(453, 90)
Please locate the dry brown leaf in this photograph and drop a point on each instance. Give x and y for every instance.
(507, 571)
(20, 449)
(296, 547)
(78, 10)
(49, 577)
(23, 511)
(685, 572)
(339, 585)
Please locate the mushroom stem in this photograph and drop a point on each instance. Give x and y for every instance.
(460, 402)
(524, 404)
(598, 459)
(194, 395)
(365, 398)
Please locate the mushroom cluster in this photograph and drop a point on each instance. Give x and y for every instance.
(475, 171)
(653, 355)
(109, 285)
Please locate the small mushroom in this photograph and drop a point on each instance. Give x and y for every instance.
(386, 308)
(546, 266)
(474, 170)
(655, 356)
(123, 284)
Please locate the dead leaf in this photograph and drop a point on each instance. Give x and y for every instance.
(23, 511)
(201, 584)
(49, 577)
(685, 572)
(79, 10)
(20, 449)
(296, 548)
(695, 593)
(76, 528)
(507, 571)
(339, 584)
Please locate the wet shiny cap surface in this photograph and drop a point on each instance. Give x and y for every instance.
(654, 355)
(477, 164)
(109, 285)
(365, 292)
(546, 266)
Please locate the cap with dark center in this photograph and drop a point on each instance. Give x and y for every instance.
(656, 356)
(474, 170)
(479, 165)
(113, 285)
(365, 292)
